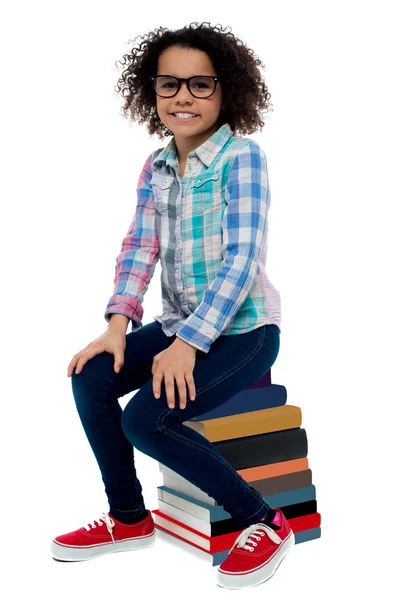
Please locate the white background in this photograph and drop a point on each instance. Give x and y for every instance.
(70, 164)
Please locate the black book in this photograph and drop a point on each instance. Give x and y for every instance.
(290, 512)
(265, 448)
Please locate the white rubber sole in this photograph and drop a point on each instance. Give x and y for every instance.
(73, 553)
(243, 580)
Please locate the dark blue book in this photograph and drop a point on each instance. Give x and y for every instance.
(247, 401)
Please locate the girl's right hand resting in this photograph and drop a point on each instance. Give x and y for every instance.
(112, 341)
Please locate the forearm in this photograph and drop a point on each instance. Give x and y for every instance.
(118, 322)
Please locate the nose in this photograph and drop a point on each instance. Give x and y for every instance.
(183, 92)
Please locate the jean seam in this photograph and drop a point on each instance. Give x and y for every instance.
(129, 511)
(163, 429)
(258, 511)
(205, 449)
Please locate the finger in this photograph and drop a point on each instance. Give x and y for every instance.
(118, 363)
(154, 364)
(72, 364)
(156, 383)
(84, 358)
(190, 385)
(80, 366)
(170, 389)
(181, 386)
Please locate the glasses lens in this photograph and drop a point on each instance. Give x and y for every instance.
(166, 86)
(201, 87)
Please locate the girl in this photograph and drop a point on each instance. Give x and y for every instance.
(202, 206)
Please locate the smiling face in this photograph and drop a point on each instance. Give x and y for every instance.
(186, 62)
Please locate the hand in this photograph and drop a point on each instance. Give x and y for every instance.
(112, 341)
(176, 362)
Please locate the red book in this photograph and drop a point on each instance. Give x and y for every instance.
(223, 542)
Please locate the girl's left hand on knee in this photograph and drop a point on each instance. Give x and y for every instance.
(176, 362)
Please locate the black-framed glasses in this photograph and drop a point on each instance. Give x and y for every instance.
(199, 86)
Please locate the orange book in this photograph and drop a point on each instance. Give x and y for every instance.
(275, 469)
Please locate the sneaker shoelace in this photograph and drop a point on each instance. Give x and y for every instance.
(104, 517)
(249, 535)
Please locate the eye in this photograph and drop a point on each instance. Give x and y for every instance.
(201, 85)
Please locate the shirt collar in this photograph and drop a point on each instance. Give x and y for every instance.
(207, 152)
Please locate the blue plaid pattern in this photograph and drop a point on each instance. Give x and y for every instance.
(209, 230)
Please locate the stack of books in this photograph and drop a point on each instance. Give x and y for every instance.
(261, 436)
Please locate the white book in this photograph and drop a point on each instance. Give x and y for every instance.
(182, 531)
(190, 507)
(185, 487)
(165, 470)
(185, 518)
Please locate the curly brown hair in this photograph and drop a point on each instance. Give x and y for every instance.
(245, 94)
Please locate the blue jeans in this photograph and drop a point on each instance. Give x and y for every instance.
(232, 364)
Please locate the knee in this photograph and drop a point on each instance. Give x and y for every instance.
(139, 424)
(80, 386)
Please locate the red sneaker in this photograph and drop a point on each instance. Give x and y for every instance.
(251, 562)
(94, 540)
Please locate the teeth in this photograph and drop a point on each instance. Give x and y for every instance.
(184, 115)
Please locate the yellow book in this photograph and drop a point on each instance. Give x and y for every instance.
(245, 424)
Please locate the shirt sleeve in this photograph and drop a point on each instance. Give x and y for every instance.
(243, 231)
(139, 254)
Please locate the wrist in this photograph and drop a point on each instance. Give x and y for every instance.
(181, 342)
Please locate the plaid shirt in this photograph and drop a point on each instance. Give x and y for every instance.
(209, 230)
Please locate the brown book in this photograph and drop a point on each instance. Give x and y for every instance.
(246, 424)
(283, 483)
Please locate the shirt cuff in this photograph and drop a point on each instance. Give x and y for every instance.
(198, 333)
